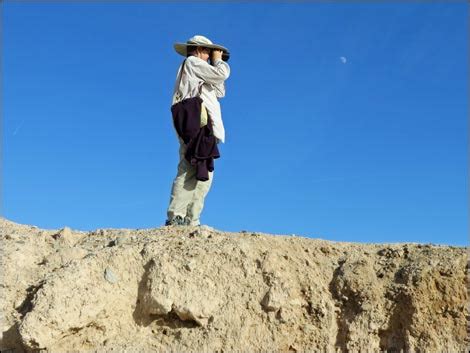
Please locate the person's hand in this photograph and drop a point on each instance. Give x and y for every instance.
(216, 55)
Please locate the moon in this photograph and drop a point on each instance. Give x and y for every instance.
(343, 59)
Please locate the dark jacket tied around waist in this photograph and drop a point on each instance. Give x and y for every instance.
(200, 141)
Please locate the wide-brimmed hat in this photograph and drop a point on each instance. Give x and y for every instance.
(198, 41)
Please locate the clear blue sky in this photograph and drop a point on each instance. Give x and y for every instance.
(344, 121)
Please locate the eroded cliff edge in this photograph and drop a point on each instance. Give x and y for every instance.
(197, 289)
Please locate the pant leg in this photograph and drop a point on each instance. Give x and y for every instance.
(183, 188)
(197, 203)
(188, 193)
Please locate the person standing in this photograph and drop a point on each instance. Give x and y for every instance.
(197, 77)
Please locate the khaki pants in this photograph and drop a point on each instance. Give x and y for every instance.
(187, 193)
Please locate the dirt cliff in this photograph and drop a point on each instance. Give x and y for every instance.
(197, 289)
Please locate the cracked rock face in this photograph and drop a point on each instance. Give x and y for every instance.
(167, 287)
(198, 289)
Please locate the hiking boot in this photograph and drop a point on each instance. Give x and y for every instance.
(175, 221)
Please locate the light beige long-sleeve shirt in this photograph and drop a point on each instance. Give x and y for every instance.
(198, 72)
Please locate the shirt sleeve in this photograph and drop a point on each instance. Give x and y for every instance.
(214, 75)
(219, 90)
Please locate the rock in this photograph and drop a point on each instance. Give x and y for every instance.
(110, 276)
(285, 315)
(65, 232)
(274, 299)
(124, 233)
(206, 228)
(166, 291)
(65, 237)
(190, 265)
(199, 233)
(308, 328)
(116, 242)
(169, 290)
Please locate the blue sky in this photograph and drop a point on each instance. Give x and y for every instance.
(344, 121)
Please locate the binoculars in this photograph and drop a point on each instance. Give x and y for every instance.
(225, 56)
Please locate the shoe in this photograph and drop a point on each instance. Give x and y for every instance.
(175, 221)
(186, 221)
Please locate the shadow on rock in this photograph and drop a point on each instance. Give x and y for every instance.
(27, 304)
(393, 338)
(341, 337)
(141, 314)
(11, 342)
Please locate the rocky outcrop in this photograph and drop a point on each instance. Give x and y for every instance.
(196, 289)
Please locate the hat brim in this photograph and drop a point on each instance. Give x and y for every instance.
(182, 48)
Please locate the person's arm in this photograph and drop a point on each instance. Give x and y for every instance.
(214, 75)
(219, 90)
